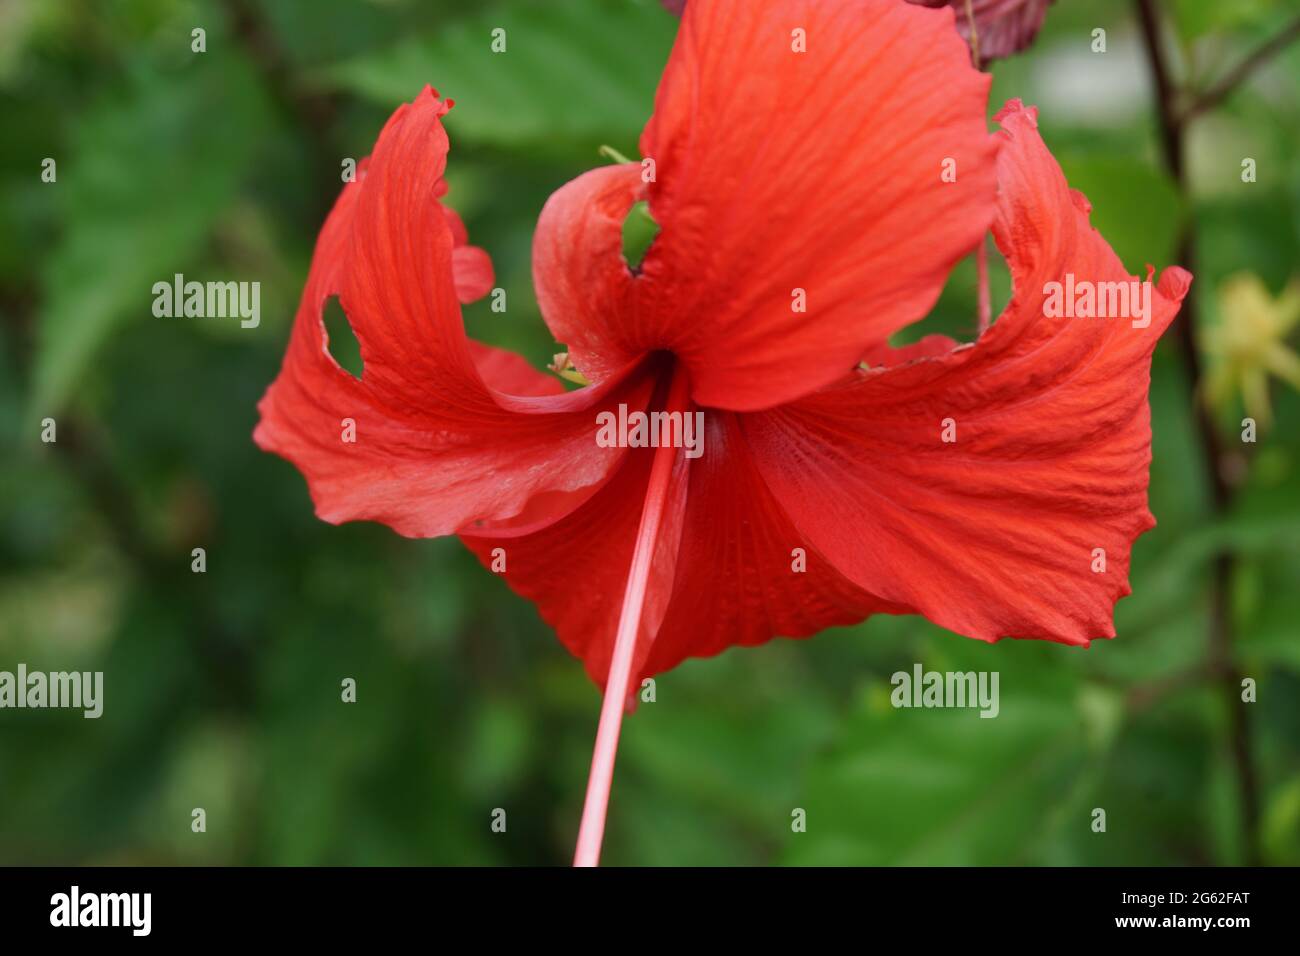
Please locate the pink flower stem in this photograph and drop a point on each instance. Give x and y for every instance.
(592, 829)
(982, 274)
(981, 253)
(974, 36)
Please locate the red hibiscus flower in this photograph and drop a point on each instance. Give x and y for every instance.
(799, 151)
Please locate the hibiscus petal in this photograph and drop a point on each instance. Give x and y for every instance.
(510, 374)
(772, 581)
(1003, 26)
(783, 181)
(471, 266)
(995, 534)
(576, 570)
(1006, 26)
(928, 347)
(436, 447)
(472, 273)
(582, 280)
(736, 536)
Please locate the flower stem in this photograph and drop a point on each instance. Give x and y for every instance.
(974, 36)
(592, 829)
(613, 155)
(982, 274)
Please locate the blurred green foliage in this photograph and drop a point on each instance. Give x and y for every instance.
(223, 689)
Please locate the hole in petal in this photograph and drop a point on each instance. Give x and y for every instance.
(340, 339)
(956, 314)
(639, 231)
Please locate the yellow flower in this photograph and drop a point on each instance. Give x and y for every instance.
(1250, 343)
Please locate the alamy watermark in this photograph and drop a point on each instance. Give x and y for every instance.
(75, 908)
(1084, 299)
(922, 688)
(651, 430)
(209, 300)
(40, 689)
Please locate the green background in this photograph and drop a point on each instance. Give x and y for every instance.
(223, 689)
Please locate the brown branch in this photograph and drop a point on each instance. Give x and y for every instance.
(312, 112)
(1219, 656)
(1220, 91)
(1141, 696)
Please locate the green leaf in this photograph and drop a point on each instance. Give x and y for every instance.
(572, 74)
(948, 787)
(1135, 207)
(710, 769)
(1281, 826)
(150, 169)
(1196, 18)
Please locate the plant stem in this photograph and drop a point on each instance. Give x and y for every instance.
(313, 112)
(1220, 91)
(984, 309)
(982, 281)
(1220, 641)
(974, 35)
(591, 832)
